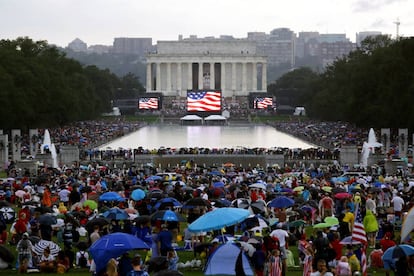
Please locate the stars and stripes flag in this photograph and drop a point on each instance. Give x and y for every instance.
(307, 265)
(359, 234)
(148, 103)
(262, 103)
(275, 268)
(204, 101)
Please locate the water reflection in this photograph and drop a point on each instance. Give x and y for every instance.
(177, 136)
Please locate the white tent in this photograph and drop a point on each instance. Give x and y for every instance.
(191, 118)
(215, 118)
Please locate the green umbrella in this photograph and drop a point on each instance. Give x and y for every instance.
(91, 204)
(322, 225)
(297, 223)
(331, 221)
(327, 189)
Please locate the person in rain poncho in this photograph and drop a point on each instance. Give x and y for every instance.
(371, 227)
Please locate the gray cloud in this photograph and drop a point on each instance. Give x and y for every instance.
(372, 5)
(379, 23)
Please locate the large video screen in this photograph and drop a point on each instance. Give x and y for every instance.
(204, 101)
(148, 103)
(262, 102)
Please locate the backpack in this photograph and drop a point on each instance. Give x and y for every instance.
(83, 262)
(24, 244)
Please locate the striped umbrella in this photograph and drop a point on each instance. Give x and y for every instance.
(42, 244)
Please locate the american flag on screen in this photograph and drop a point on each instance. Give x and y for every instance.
(262, 103)
(204, 101)
(359, 234)
(148, 103)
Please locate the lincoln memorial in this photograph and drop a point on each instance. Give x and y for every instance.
(231, 66)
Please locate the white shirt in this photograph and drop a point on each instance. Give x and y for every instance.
(281, 235)
(204, 196)
(64, 195)
(398, 203)
(78, 255)
(371, 205)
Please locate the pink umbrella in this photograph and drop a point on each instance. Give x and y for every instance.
(20, 193)
(342, 195)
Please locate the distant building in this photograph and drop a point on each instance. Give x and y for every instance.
(278, 46)
(363, 35)
(99, 49)
(230, 65)
(332, 51)
(136, 46)
(303, 37)
(256, 36)
(78, 45)
(332, 38)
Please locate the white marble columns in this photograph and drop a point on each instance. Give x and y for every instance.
(212, 76)
(174, 77)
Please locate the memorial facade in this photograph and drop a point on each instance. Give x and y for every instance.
(232, 66)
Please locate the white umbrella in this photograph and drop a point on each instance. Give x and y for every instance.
(258, 186)
(8, 214)
(407, 225)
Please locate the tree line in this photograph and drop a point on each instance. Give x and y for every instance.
(40, 87)
(373, 86)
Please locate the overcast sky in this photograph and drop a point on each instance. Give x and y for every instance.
(100, 21)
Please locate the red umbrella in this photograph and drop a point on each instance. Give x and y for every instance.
(342, 195)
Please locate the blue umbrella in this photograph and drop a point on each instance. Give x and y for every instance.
(218, 219)
(224, 238)
(216, 173)
(349, 240)
(281, 202)
(153, 178)
(220, 202)
(167, 215)
(398, 251)
(218, 184)
(167, 202)
(111, 196)
(113, 246)
(137, 194)
(116, 213)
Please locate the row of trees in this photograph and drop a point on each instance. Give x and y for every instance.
(41, 87)
(371, 87)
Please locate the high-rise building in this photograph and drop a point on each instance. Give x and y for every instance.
(303, 37)
(129, 45)
(331, 51)
(278, 46)
(331, 38)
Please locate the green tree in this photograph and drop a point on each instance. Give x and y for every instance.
(130, 87)
(41, 87)
(371, 87)
(292, 88)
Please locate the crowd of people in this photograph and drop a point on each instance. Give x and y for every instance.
(327, 136)
(316, 195)
(66, 194)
